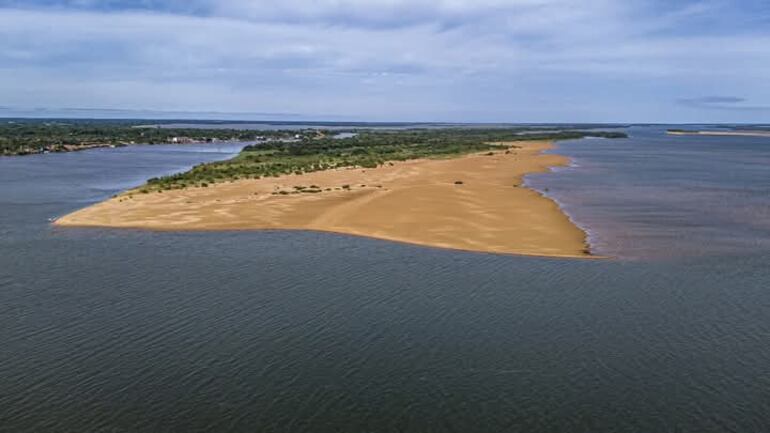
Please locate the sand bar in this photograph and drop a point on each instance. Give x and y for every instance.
(475, 202)
(735, 133)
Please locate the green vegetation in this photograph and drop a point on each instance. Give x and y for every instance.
(367, 149)
(275, 152)
(27, 136)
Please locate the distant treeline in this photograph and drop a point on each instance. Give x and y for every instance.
(27, 137)
(367, 149)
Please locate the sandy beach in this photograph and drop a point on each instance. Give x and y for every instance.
(475, 202)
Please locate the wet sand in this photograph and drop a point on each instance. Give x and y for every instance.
(475, 203)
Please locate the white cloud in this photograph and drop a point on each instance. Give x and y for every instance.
(382, 58)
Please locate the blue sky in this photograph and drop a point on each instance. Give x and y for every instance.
(390, 60)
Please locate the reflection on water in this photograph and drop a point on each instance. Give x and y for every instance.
(133, 331)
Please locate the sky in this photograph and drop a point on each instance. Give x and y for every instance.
(663, 61)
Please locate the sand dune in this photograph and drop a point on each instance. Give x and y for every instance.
(419, 202)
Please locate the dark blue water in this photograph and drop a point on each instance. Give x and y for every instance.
(133, 331)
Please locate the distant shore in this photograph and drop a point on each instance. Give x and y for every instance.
(65, 148)
(474, 202)
(735, 133)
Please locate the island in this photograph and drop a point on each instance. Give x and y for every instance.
(19, 137)
(725, 133)
(449, 188)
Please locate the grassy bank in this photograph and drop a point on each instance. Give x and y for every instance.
(367, 149)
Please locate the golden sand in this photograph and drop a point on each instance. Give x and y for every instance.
(473, 203)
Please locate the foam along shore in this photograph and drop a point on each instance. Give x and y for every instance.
(473, 202)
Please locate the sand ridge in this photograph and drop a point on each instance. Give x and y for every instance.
(475, 202)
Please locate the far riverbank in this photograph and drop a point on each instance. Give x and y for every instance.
(736, 133)
(474, 203)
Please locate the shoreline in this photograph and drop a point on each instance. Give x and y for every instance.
(476, 202)
(737, 133)
(70, 148)
(66, 148)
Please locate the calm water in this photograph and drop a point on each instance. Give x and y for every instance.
(131, 331)
(658, 196)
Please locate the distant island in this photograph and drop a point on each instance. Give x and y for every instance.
(20, 137)
(725, 133)
(455, 188)
(25, 136)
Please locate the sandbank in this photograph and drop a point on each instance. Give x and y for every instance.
(474, 202)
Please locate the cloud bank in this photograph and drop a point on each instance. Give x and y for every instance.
(728, 103)
(450, 60)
